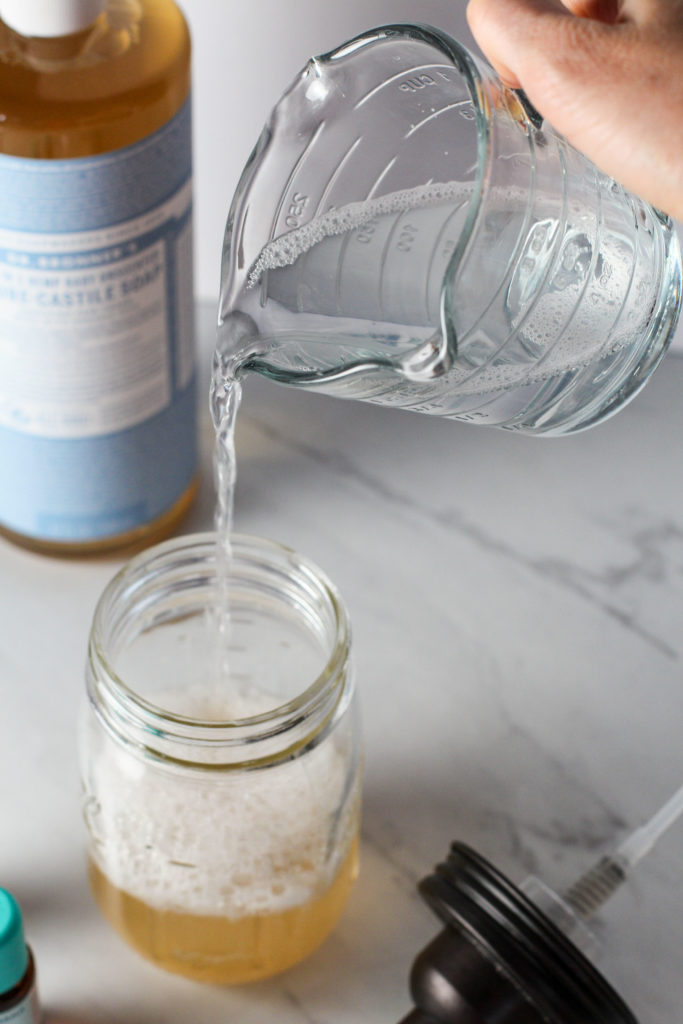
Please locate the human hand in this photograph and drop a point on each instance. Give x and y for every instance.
(608, 74)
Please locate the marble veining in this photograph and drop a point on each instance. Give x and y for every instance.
(654, 544)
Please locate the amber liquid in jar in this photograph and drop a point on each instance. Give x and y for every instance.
(225, 950)
(106, 87)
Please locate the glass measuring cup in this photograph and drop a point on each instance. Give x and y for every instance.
(409, 232)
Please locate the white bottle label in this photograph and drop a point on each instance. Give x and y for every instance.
(96, 338)
(26, 1012)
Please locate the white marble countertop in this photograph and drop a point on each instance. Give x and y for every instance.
(517, 607)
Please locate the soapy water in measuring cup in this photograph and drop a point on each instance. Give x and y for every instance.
(555, 337)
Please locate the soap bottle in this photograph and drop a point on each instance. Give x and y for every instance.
(97, 366)
(18, 993)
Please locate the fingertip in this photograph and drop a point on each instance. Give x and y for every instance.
(601, 10)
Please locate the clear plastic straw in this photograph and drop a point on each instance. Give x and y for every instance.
(597, 885)
(640, 842)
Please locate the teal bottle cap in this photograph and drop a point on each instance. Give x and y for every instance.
(13, 952)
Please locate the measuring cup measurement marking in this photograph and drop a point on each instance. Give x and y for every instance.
(434, 114)
(334, 177)
(415, 81)
(284, 199)
(406, 75)
(385, 250)
(456, 260)
(295, 170)
(589, 276)
(539, 370)
(609, 348)
(328, 188)
(442, 247)
(606, 347)
(347, 239)
(347, 218)
(514, 256)
(340, 168)
(368, 226)
(411, 84)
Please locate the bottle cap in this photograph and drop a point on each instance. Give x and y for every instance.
(13, 952)
(499, 959)
(50, 17)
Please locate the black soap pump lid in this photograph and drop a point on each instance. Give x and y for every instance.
(499, 958)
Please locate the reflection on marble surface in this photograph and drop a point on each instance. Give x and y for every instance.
(516, 606)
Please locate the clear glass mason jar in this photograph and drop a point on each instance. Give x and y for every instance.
(222, 810)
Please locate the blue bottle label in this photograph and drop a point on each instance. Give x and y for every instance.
(97, 372)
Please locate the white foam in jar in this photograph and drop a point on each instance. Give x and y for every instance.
(232, 844)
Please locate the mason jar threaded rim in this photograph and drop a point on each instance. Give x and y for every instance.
(186, 566)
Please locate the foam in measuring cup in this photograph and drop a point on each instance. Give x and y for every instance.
(285, 250)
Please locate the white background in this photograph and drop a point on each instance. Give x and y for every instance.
(245, 55)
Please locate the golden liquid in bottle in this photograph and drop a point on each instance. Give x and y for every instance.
(128, 542)
(101, 89)
(217, 949)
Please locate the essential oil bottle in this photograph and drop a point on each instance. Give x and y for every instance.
(18, 994)
(97, 366)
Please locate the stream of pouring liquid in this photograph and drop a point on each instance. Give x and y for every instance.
(225, 400)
